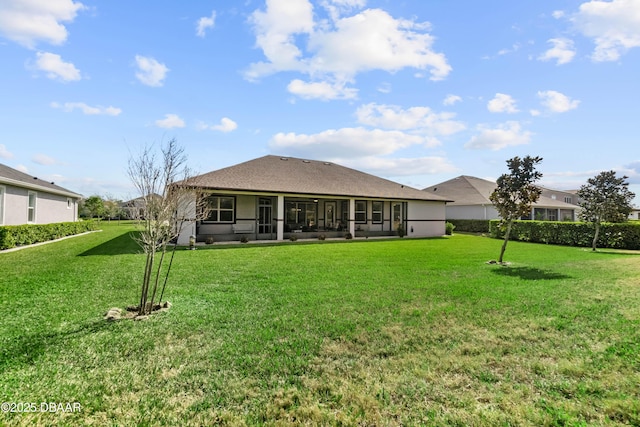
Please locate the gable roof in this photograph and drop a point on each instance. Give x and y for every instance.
(468, 190)
(16, 178)
(290, 175)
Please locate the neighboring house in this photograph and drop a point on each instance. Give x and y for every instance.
(135, 208)
(25, 199)
(634, 214)
(470, 197)
(274, 197)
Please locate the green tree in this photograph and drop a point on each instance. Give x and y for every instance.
(515, 193)
(112, 207)
(605, 198)
(93, 207)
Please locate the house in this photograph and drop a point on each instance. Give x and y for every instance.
(471, 201)
(135, 208)
(26, 199)
(275, 197)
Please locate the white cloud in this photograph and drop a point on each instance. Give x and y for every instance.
(27, 22)
(502, 103)
(225, 125)
(170, 121)
(337, 8)
(419, 120)
(87, 109)
(150, 72)
(506, 135)
(205, 23)
(22, 168)
(43, 159)
(321, 90)
(275, 30)
(345, 142)
(337, 49)
(55, 68)
(401, 166)
(558, 14)
(451, 99)
(562, 51)
(4, 153)
(613, 25)
(557, 102)
(384, 87)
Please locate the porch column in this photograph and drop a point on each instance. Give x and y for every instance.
(352, 217)
(280, 219)
(187, 212)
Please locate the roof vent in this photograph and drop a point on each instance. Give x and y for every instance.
(306, 161)
(284, 158)
(435, 188)
(327, 163)
(35, 177)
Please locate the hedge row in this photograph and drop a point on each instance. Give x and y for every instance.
(618, 236)
(20, 235)
(471, 225)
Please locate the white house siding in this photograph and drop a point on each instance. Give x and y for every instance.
(425, 219)
(50, 208)
(472, 212)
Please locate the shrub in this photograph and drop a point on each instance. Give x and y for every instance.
(400, 230)
(348, 236)
(293, 237)
(471, 225)
(28, 234)
(244, 239)
(617, 236)
(321, 237)
(448, 228)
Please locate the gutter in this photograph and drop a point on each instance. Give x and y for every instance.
(23, 184)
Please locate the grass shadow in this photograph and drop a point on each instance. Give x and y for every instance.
(121, 245)
(529, 273)
(26, 349)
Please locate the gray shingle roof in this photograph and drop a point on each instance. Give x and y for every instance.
(15, 177)
(468, 190)
(278, 174)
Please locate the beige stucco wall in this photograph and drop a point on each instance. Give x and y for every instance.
(425, 219)
(472, 212)
(50, 208)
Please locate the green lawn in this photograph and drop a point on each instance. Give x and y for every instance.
(379, 332)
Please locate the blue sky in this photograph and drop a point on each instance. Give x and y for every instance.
(414, 91)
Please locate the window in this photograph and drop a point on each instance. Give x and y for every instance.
(568, 199)
(301, 215)
(361, 211)
(31, 208)
(221, 209)
(69, 203)
(376, 212)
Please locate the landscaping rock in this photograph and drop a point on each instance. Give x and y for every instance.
(113, 314)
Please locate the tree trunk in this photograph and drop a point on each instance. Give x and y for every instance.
(595, 237)
(145, 283)
(157, 278)
(506, 240)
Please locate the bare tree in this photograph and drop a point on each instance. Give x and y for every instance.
(167, 201)
(605, 197)
(515, 193)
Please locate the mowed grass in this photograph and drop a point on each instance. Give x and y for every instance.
(378, 332)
